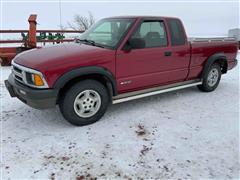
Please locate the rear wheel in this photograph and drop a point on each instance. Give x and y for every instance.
(211, 78)
(84, 103)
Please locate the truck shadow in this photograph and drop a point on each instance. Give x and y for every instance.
(151, 100)
(54, 117)
(115, 113)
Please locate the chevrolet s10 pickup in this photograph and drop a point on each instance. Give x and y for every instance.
(118, 59)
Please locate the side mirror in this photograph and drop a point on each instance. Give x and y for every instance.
(134, 43)
(127, 47)
(77, 40)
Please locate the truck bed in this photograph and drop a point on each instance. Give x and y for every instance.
(202, 48)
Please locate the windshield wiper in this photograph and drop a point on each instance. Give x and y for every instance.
(89, 42)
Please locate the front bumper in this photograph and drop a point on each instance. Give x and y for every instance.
(36, 98)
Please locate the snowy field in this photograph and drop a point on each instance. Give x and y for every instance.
(178, 135)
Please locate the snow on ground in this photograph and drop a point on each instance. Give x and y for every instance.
(183, 134)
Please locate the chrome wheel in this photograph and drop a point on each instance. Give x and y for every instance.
(87, 103)
(212, 77)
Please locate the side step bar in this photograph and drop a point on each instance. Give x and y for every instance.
(153, 91)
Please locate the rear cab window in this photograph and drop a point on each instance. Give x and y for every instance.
(177, 34)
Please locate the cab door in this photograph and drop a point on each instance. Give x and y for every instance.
(152, 65)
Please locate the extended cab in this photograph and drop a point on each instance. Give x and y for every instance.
(118, 59)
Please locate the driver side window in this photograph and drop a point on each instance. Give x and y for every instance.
(152, 33)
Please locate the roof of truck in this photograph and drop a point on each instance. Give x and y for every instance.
(159, 17)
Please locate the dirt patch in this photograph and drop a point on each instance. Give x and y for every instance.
(88, 176)
(65, 158)
(144, 150)
(52, 176)
(49, 157)
(141, 131)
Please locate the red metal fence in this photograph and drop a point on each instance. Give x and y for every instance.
(30, 39)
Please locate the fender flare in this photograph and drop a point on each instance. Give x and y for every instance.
(82, 71)
(211, 60)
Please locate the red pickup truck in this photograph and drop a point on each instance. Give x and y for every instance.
(118, 59)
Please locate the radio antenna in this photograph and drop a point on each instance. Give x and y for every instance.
(60, 14)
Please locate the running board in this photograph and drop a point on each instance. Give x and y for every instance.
(153, 91)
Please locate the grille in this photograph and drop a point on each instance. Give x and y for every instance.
(17, 69)
(19, 74)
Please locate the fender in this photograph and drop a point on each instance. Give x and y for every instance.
(90, 70)
(212, 59)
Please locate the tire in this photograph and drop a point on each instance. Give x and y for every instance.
(211, 78)
(84, 103)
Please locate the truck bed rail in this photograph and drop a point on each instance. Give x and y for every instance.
(217, 39)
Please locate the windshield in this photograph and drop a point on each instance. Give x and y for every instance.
(107, 32)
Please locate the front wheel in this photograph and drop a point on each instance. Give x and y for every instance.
(211, 78)
(84, 103)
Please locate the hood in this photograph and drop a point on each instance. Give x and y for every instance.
(65, 56)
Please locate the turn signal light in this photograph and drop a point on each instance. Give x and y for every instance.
(38, 80)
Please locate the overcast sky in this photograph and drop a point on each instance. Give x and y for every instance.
(199, 18)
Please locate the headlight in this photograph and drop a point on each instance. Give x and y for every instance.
(28, 76)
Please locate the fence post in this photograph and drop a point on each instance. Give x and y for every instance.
(32, 39)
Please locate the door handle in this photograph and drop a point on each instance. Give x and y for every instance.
(167, 53)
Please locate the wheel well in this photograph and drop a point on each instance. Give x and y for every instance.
(223, 65)
(97, 77)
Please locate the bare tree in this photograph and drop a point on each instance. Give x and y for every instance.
(82, 23)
